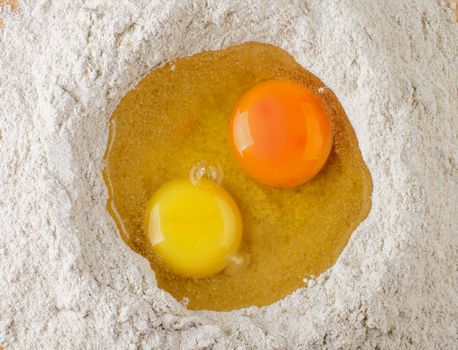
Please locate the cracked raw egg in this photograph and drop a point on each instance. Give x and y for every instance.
(297, 181)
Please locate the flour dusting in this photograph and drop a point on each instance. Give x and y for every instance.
(68, 281)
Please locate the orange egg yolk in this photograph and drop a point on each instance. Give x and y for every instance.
(280, 133)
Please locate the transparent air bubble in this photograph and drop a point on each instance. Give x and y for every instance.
(237, 263)
(206, 174)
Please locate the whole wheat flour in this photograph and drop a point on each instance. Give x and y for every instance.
(68, 281)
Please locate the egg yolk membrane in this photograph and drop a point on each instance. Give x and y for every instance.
(280, 133)
(194, 228)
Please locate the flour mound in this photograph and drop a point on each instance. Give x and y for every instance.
(68, 281)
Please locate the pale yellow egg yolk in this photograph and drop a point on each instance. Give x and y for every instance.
(193, 228)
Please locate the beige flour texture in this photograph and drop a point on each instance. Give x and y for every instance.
(68, 281)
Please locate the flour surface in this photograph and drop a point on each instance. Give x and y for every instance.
(67, 280)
